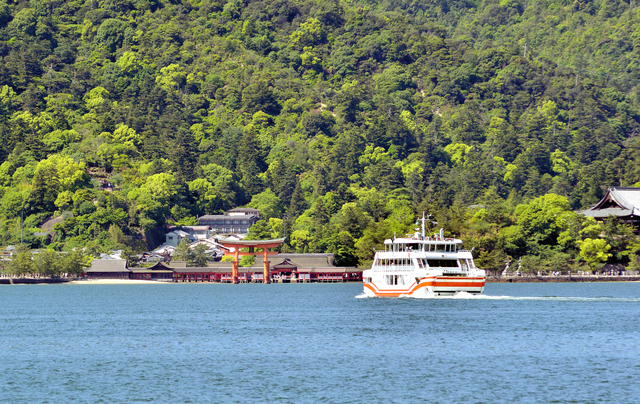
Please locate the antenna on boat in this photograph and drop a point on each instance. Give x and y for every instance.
(424, 220)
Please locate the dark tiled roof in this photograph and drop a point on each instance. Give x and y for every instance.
(618, 201)
(159, 267)
(193, 270)
(108, 266)
(149, 271)
(602, 213)
(304, 260)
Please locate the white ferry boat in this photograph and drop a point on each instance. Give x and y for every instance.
(420, 266)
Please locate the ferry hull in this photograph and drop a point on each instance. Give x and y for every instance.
(429, 286)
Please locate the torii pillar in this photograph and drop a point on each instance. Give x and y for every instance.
(265, 266)
(251, 245)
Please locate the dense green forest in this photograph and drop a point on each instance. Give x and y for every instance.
(341, 120)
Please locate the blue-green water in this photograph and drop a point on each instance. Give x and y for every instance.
(181, 343)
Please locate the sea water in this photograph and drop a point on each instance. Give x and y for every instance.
(315, 343)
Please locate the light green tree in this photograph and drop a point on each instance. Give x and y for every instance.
(183, 252)
(458, 153)
(268, 203)
(128, 62)
(74, 262)
(594, 252)
(206, 197)
(47, 263)
(96, 98)
(171, 78)
(542, 220)
(22, 262)
(247, 260)
(200, 257)
(155, 194)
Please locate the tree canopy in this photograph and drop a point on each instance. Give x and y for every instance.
(344, 120)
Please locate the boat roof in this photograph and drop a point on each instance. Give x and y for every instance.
(427, 240)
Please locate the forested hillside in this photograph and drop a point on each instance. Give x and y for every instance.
(345, 119)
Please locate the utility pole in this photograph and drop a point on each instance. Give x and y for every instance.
(525, 50)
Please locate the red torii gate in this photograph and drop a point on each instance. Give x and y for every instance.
(236, 245)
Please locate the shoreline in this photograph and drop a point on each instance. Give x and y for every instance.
(489, 279)
(562, 278)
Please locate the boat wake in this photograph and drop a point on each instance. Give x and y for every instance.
(466, 295)
(563, 298)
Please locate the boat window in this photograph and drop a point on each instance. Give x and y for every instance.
(463, 264)
(394, 279)
(443, 263)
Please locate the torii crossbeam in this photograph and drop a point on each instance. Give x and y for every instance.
(234, 247)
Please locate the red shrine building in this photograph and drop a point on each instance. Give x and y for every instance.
(281, 268)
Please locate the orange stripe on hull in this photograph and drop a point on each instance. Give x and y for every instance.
(459, 284)
(436, 283)
(394, 292)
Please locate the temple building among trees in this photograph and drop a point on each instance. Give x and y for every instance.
(620, 202)
(236, 221)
